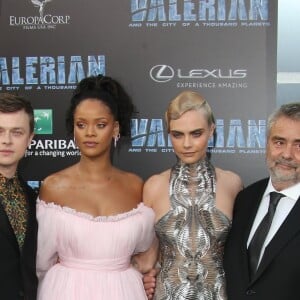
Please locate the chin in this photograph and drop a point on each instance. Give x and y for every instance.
(190, 160)
(279, 176)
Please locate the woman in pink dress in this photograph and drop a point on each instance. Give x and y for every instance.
(90, 215)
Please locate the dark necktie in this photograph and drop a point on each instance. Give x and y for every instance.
(261, 232)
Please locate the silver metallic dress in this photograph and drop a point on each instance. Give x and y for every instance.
(192, 236)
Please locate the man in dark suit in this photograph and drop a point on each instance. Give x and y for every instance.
(18, 225)
(262, 253)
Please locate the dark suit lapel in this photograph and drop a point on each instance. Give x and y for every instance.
(31, 214)
(254, 200)
(286, 232)
(6, 228)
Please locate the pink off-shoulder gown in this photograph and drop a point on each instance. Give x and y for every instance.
(81, 257)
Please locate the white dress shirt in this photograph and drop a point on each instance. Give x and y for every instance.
(284, 206)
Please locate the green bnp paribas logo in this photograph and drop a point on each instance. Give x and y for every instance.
(43, 123)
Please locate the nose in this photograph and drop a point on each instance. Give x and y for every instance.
(187, 142)
(287, 152)
(6, 138)
(90, 131)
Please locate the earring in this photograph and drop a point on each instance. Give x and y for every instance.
(116, 138)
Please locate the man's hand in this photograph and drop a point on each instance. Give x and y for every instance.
(149, 280)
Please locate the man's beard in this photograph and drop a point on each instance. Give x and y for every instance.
(282, 176)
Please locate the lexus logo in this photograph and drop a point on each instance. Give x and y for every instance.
(162, 73)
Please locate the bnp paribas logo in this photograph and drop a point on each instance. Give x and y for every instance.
(43, 19)
(43, 121)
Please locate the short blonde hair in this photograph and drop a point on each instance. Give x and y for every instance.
(186, 101)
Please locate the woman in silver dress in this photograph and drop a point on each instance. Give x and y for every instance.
(193, 203)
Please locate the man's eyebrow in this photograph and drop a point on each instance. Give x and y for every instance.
(280, 138)
(12, 128)
(276, 137)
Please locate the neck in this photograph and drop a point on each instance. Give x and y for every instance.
(94, 167)
(195, 164)
(8, 172)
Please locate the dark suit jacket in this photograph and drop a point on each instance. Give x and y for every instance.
(278, 275)
(17, 270)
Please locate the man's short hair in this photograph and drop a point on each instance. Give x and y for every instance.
(13, 103)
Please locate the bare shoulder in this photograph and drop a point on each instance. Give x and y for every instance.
(129, 185)
(228, 186)
(157, 180)
(229, 180)
(133, 177)
(155, 187)
(55, 184)
(130, 179)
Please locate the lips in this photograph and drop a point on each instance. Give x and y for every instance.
(287, 165)
(90, 144)
(6, 151)
(188, 153)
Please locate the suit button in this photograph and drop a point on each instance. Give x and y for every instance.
(250, 292)
(21, 294)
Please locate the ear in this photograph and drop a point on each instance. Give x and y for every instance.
(30, 139)
(212, 129)
(116, 129)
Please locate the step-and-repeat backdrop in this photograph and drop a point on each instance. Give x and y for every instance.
(224, 49)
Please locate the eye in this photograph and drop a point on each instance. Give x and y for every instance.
(197, 133)
(278, 143)
(101, 125)
(80, 125)
(17, 132)
(176, 134)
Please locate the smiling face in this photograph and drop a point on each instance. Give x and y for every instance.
(190, 135)
(283, 152)
(94, 128)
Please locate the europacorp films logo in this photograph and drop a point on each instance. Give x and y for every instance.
(199, 13)
(42, 19)
(43, 123)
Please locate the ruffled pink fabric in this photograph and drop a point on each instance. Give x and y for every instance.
(82, 257)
